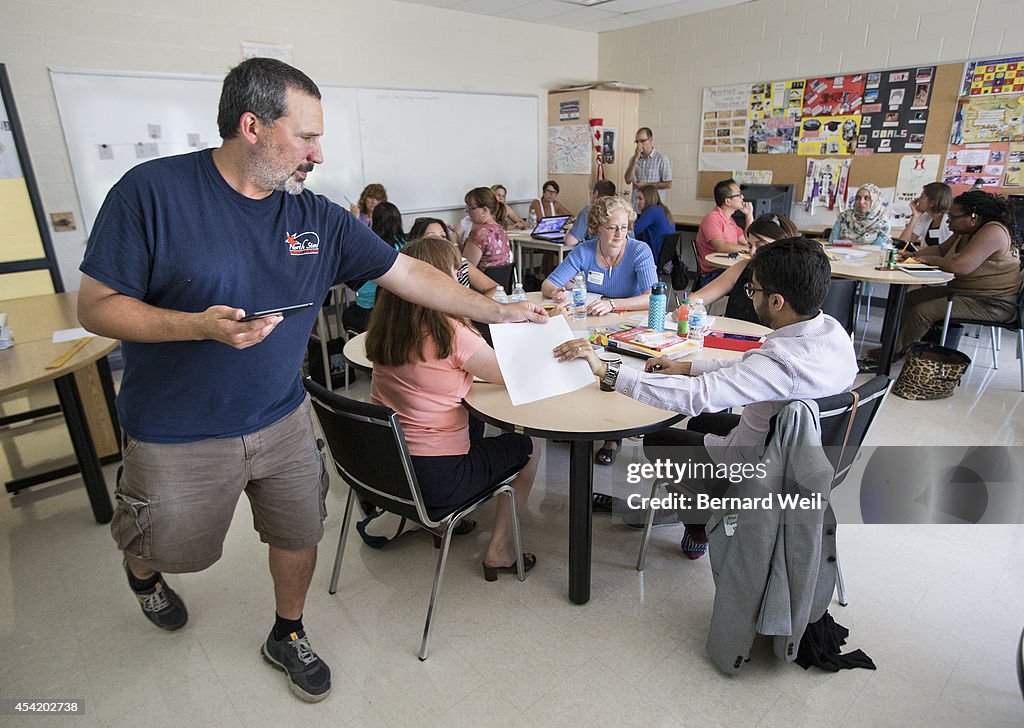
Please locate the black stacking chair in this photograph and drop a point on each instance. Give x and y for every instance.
(369, 453)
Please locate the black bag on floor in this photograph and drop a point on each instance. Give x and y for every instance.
(337, 363)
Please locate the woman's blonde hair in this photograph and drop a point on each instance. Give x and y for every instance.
(602, 210)
(398, 328)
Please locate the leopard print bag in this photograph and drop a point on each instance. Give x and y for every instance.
(931, 372)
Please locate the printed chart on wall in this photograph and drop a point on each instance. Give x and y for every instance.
(569, 149)
(967, 163)
(831, 115)
(775, 111)
(724, 127)
(985, 119)
(994, 76)
(895, 110)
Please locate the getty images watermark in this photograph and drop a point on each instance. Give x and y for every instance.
(884, 484)
(673, 472)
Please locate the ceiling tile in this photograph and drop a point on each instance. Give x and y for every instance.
(536, 12)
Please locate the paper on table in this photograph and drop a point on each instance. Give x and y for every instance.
(70, 335)
(848, 253)
(530, 370)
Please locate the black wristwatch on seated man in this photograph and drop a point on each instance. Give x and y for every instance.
(611, 375)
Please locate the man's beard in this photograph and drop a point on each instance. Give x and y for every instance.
(270, 178)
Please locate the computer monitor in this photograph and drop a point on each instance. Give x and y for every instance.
(769, 198)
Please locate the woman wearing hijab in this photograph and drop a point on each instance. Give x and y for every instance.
(866, 222)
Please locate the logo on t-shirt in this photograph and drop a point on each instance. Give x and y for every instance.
(303, 243)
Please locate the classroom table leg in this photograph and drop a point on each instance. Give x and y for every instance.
(891, 326)
(581, 531)
(85, 451)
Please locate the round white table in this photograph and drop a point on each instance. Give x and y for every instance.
(581, 417)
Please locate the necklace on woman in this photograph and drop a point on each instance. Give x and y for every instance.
(610, 263)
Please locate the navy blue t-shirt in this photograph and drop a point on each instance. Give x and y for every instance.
(174, 234)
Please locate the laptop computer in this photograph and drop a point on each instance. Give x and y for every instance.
(550, 229)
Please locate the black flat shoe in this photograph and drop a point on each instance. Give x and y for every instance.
(491, 572)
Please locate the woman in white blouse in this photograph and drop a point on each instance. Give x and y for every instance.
(929, 224)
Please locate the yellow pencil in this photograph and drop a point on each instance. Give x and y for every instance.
(905, 246)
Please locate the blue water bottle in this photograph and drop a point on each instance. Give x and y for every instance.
(656, 313)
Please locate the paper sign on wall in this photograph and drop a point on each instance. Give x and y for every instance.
(724, 128)
(916, 170)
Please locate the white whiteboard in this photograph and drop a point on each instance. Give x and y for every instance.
(427, 148)
(438, 145)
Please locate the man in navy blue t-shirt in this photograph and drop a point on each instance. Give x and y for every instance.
(211, 404)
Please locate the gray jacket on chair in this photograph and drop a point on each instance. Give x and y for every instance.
(775, 568)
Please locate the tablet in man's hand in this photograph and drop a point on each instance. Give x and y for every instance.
(281, 311)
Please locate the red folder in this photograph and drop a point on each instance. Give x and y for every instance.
(732, 342)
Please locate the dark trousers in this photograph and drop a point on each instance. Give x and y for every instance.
(678, 445)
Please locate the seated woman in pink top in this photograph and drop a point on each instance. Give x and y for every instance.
(487, 245)
(424, 362)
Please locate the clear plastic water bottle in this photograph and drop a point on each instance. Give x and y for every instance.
(579, 297)
(518, 293)
(499, 295)
(533, 219)
(698, 320)
(656, 310)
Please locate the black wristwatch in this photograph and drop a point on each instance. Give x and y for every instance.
(612, 374)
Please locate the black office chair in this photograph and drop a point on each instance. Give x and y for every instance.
(840, 302)
(503, 275)
(369, 452)
(1014, 322)
(664, 265)
(845, 419)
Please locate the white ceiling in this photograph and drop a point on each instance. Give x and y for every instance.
(604, 15)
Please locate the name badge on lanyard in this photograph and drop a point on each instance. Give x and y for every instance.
(596, 277)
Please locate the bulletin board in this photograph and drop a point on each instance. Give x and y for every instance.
(880, 169)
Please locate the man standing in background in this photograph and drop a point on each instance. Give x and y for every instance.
(648, 166)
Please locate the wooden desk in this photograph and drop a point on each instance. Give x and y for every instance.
(521, 239)
(863, 269)
(84, 388)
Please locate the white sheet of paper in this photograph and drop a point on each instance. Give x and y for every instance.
(530, 370)
(70, 335)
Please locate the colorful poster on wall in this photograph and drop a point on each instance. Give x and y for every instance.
(834, 95)
(775, 110)
(825, 183)
(968, 163)
(724, 128)
(895, 110)
(916, 170)
(1014, 176)
(994, 76)
(828, 135)
(990, 119)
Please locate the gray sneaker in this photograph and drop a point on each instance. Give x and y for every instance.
(162, 606)
(308, 675)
